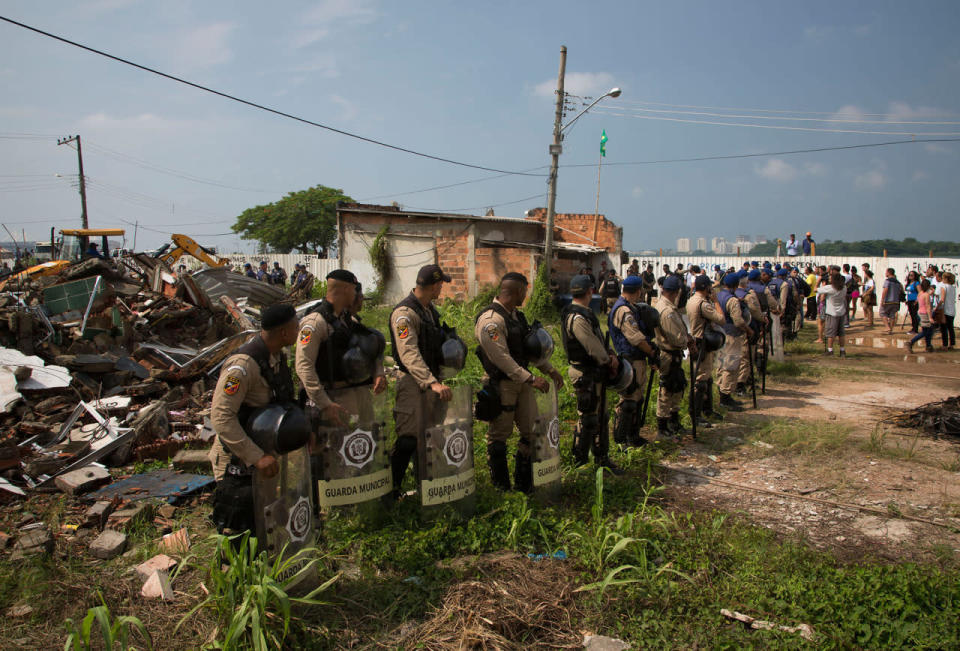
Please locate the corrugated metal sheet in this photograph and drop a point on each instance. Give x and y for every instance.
(223, 282)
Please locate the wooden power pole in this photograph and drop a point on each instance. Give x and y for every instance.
(83, 185)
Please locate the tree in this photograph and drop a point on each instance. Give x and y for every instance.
(305, 220)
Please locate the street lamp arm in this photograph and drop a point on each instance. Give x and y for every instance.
(615, 92)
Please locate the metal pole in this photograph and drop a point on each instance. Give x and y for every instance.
(555, 150)
(83, 185)
(753, 382)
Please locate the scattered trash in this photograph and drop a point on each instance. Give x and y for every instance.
(559, 555)
(158, 586)
(168, 485)
(763, 444)
(940, 418)
(805, 631)
(160, 562)
(603, 643)
(176, 542)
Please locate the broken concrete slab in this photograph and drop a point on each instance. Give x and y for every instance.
(604, 643)
(108, 544)
(192, 460)
(130, 516)
(158, 587)
(35, 541)
(176, 542)
(96, 516)
(159, 563)
(84, 480)
(41, 377)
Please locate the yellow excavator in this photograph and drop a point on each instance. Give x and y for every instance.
(72, 247)
(186, 245)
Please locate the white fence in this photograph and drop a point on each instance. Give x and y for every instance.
(877, 264)
(319, 267)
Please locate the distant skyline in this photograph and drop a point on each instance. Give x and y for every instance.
(475, 83)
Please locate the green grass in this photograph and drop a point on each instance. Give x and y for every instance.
(802, 438)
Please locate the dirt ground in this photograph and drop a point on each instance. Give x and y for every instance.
(826, 440)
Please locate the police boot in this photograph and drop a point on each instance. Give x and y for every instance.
(497, 460)
(625, 424)
(581, 447)
(727, 401)
(675, 425)
(523, 470)
(708, 411)
(404, 448)
(601, 453)
(664, 432)
(698, 409)
(741, 389)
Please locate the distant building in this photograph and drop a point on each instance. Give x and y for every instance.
(683, 245)
(701, 244)
(742, 238)
(718, 245)
(761, 239)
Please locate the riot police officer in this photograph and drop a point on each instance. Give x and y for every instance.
(758, 320)
(736, 326)
(502, 332)
(631, 336)
(671, 337)
(416, 340)
(255, 376)
(591, 364)
(703, 309)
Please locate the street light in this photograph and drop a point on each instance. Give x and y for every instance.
(556, 149)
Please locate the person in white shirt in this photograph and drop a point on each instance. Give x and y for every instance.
(836, 309)
(868, 296)
(947, 293)
(792, 246)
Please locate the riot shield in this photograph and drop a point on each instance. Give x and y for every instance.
(354, 462)
(446, 457)
(545, 446)
(284, 511)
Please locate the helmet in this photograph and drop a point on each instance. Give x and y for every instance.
(360, 359)
(713, 339)
(650, 318)
(278, 429)
(623, 381)
(538, 345)
(453, 351)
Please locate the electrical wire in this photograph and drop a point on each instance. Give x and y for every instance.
(450, 185)
(784, 118)
(770, 153)
(605, 111)
(496, 205)
(752, 110)
(260, 106)
(154, 230)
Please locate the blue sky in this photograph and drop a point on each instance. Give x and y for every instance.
(474, 82)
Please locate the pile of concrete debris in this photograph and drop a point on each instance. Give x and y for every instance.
(104, 362)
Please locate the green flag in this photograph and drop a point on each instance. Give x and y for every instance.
(603, 143)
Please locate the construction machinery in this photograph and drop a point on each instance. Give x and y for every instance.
(186, 245)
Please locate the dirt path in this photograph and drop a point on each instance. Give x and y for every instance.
(820, 435)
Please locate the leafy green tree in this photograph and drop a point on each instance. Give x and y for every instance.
(305, 220)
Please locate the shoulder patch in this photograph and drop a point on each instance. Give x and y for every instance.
(402, 325)
(493, 332)
(236, 368)
(305, 335)
(232, 385)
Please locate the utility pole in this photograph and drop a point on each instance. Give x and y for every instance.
(136, 227)
(83, 185)
(555, 150)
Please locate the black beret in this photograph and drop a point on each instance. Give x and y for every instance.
(342, 275)
(277, 316)
(515, 275)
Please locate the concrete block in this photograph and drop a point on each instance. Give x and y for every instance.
(108, 545)
(130, 515)
(35, 541)
(160, 562)
(158, 586)
(84, 480)
(96, 516)
(192, 461)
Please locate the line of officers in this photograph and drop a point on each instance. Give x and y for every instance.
(338, 361)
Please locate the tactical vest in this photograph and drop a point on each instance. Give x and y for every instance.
(429, 338)
(723, 296)
(576, 352)
(329, 370)
(611, 288)
(620, 342)
(760, 290)
(517, 330)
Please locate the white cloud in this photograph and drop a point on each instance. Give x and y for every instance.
(815, 169)
(577, 83)
(850, 112)
(872, 180)
(204, 46)
(106, 5)
(903, 111)
(320, 19)
(936, 148)
(776, 169)
(918, 175)
(325, 65)
(818, 32)
(637, 192)
(143, 122)
(348, 110)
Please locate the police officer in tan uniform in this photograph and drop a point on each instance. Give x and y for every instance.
(255, 376)
(702, 309)
(672, 338)
(417, 341)
(591, 364)
(736, 328)
(501, 330)
(757, 321)
(630, 338)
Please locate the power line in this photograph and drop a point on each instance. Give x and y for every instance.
(781, 127)
(154, 230)
(773, 153)
(486, 205)
(444, 187)
(786, 117)
(753, 110)
(260, 106)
